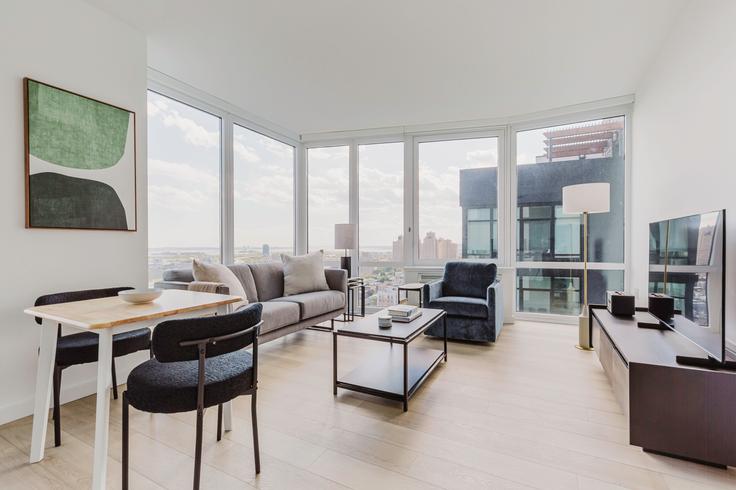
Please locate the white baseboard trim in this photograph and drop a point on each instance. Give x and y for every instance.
(69, 393)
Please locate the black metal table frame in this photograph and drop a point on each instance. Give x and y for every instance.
(408, 390)
(349, 315)
(406, 294)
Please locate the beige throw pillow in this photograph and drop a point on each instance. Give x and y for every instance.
(304, 273)
(203, 271)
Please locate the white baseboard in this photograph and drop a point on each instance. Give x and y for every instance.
(69, 392)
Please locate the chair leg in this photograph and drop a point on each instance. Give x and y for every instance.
(57, 406)
(114, 381)
(256, 452)
(219, 422)
(125, 441)
(198, 449)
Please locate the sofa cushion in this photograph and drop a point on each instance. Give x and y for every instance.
(468, 279)
(461, 306)
(245, 276)
(315, 303)
(178, 275)
(304, 273)
(276, 315)
(219, 273)
(269, 279)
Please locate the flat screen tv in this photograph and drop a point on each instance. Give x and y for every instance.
(687, 261)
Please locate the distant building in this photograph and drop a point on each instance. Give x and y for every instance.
(446, 249)
(428, 247)
(266, 250)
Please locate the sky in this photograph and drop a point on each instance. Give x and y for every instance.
(184, 183)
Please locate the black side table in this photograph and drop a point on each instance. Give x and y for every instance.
(356, 285)
(413, 286)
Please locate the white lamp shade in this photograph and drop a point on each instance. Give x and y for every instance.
(594, 197)
(344, 236)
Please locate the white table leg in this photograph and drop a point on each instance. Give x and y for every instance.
(227, 416)
(44, 377)
(227, 408)
(102, 420)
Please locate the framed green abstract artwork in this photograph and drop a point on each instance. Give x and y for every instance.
(80, 161)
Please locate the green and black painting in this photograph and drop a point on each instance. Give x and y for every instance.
(80, 161)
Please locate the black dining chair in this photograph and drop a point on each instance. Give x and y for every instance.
(198, 363)
(81, 348)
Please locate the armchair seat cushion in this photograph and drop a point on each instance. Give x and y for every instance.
(315, 303)
(461, 306)
(276, 315)
(81, 348)
(171, 387)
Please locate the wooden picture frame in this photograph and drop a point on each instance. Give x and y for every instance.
(80, 161)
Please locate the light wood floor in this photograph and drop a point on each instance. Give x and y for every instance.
(530, 411)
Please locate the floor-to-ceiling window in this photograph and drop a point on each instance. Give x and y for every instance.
(458, 198)
(381, 217)
(263, 170)
(328, 182)
(549, 243)
(184, 155)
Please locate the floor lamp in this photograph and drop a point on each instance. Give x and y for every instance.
(345, 239)
(585, 199)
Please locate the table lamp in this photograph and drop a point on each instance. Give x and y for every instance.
(345, 239)
(594, 197)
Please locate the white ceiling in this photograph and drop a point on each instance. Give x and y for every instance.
(321, 65)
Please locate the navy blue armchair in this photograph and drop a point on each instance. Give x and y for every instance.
(471, 295)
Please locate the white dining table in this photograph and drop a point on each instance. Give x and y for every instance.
(107, 317)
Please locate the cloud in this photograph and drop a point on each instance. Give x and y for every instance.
(182, 174)
(482, 158)
(245, 152)
(329, 153)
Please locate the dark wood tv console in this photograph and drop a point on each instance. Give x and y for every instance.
(681, 411)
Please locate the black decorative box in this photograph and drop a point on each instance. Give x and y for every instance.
(620, 303)
(662, 306)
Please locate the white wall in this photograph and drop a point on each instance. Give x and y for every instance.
(74, 46)
(684, 131)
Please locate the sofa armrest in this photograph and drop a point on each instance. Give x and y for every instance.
(431, 291)
(209, 287)
(337, 279)
(494, 299)
(171, 285)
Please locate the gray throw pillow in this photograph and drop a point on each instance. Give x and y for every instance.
(304, 273)
(218, 273)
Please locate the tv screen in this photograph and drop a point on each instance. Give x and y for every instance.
(687, 262)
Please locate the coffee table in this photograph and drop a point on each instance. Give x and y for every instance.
(396, 373)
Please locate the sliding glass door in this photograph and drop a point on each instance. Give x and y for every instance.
(457, 198)
(184, 166)
(328, 183)
(549, 243)
(263, 197)
(381, 219)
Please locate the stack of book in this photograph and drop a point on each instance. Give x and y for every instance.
(404, 313)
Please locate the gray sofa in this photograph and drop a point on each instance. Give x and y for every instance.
(264, 283)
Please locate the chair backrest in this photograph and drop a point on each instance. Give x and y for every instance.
(69, 296)
(469, 279)
(223, 334)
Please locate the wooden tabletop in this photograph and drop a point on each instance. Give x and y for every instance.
(110, 312)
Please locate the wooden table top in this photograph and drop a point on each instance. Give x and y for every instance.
(110, 312)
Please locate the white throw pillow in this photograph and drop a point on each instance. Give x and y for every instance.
(203, 271)
(304, 273)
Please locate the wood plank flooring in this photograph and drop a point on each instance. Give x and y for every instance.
(530, 411)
